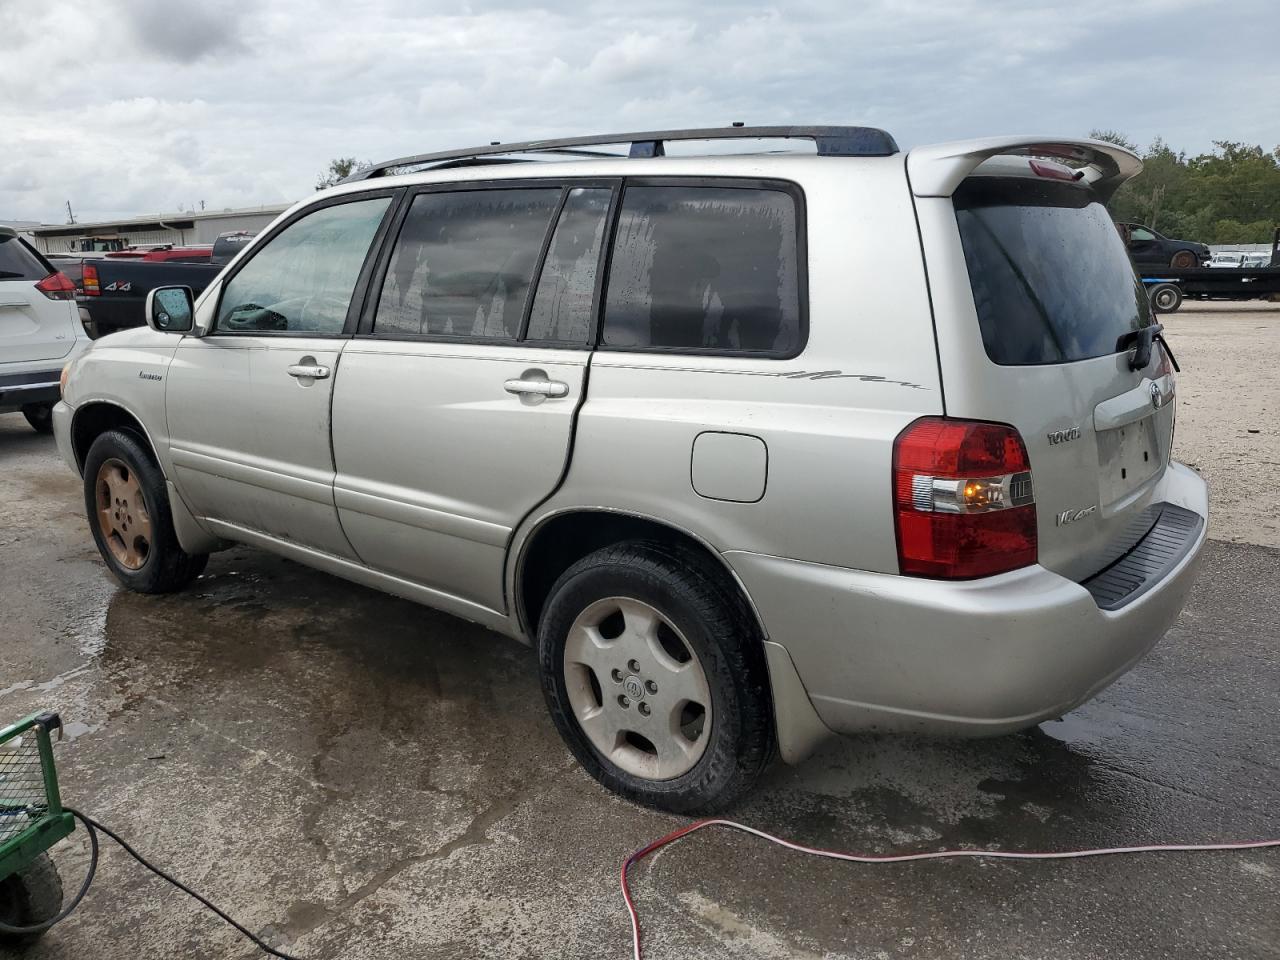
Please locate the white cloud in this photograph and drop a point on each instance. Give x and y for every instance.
(154, 105)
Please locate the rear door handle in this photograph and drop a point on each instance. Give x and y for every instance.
(311, 371)
(541, 388)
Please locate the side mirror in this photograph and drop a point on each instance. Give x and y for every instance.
(170, 309)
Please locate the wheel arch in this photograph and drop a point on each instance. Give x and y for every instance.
(94, 417)
(559, 539)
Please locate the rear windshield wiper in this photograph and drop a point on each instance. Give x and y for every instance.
(1144, 338)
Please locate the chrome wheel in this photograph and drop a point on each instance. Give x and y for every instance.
(637, 689)
(123, 519)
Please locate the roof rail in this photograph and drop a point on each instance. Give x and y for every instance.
(830, 141)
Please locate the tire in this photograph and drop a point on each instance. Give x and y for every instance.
(29, 897)
(40, 416)
(687, 763)
(137, 542)
(1184, 260)
(1166, 297)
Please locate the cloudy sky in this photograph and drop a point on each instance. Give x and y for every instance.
(134, 106)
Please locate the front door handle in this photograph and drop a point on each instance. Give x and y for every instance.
(538, 388)
(308, 371)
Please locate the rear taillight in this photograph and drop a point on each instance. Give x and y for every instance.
(57, 286)
(963, 500)
(89, 280)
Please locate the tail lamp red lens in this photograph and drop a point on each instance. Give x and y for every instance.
(57, 286)
(963, 499)
(89, 281)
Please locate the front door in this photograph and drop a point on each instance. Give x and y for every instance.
(248, 403)
(453, 414)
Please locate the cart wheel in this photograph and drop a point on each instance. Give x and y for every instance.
(30, 897)
(1166, 297)
(1184, 260)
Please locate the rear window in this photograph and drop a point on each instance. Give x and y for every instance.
(19, 262)
(1051, 278)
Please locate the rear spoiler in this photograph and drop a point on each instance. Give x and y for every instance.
(936, 170)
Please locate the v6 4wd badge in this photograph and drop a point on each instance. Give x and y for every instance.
(1071, 516)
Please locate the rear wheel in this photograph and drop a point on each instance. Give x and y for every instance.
(30, 897)
(1166, 297)
(1184, 260)
(653, 670)
(40, 416)
(128, 507)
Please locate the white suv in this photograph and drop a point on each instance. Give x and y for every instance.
(672, 420)
(40, 330)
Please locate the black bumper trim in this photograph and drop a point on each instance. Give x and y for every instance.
(1143, 567)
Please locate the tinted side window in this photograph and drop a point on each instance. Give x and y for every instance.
(302, 279)
(19, 262)
(463, 263)
(705, 268)
(567, 285)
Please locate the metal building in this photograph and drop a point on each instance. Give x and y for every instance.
(179, 229)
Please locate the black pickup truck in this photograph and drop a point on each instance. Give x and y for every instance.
(114, 291)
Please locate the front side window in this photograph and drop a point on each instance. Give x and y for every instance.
(705, 269)
(302, 279)
(463, 264)
(1139, 234)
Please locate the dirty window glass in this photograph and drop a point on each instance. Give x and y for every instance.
(1052, 281)
(566, 288)
(704, 268)
(463, 264)
(302, 279)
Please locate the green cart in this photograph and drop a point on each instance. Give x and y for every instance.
(31, 821)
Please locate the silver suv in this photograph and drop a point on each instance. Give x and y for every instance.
(752, 447)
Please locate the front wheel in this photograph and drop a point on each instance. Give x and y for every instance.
(1184, 260)
(128, 507)
(653, 670)
(30, 897)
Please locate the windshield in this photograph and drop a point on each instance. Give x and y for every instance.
(1051, 278)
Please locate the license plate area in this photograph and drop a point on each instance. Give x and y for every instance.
(1128, 457)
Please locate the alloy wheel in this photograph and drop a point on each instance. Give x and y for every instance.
(637, 689)
(123, 518)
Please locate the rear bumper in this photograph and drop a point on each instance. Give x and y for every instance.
(33, 386)
(982, 657)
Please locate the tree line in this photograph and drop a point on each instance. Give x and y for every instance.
(1230, 195)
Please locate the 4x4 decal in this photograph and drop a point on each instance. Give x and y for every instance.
(118, 286)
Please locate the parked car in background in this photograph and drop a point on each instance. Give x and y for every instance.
(1226, 261)
(113, 289)
(39, 330)
(1147, 247)
(757, 522)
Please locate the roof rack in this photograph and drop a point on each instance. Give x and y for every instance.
(830, 141)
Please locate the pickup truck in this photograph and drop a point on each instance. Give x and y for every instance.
(113, 290)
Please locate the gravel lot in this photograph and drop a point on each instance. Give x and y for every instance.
(364, 778)
(1229, 412)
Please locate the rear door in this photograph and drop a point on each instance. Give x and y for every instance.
(453, 412)
(1038, 312)
(33, 327)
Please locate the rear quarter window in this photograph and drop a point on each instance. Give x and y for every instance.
(1052, 281)
(706, 269)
